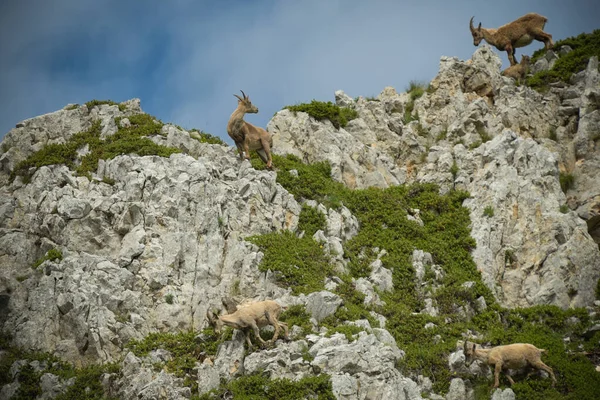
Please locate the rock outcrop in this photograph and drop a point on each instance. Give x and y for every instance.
(508, 146)
(148, 244)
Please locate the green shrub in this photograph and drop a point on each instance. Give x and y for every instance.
(296, 315)
(255, 387)
(204, 137)
(129, 140)
(564, 209)
(416, 89)
(488, 211)
(52, 255)
(93, 103)
(454, 169)
(319, 110)
(299, 263)
(566, 181)
(169, 298)
(311, 220)
(584, 47)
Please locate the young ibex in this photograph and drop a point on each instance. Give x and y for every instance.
(518, 33)
(247, 136)
(510, 356)
(518, 71)
(252, 316)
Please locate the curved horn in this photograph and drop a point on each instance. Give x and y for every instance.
(471, 24)
(465, 347)
(245, 97)
(238, 97)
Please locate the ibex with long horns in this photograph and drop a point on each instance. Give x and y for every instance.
(247, 136)
(518, 33)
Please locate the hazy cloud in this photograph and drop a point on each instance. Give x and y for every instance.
(186, 58)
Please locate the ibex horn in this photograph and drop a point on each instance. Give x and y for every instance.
(471, 24)
(245, 97)
(238, 97)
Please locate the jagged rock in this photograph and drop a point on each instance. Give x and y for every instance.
(516, 173)
(208, 378)
(170, 225)
(140, 381)
(458, 391)
(381, 276)
(506, 394)
(322, 304)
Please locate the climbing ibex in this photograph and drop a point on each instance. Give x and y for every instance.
(510, 356)
(247, 136)
(518, 71)
(252, 316)
(518, 33)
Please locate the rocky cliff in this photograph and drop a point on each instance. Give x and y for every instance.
(114, 257)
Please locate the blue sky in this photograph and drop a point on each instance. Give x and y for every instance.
(186, 58)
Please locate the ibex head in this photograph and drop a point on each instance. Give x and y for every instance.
(246, 103)
(214, 321)
(469, 353)
(477, 34)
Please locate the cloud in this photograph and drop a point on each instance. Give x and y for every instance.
(185, 59)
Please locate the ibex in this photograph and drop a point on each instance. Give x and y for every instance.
(518, 33)
(518, 71)
(247, 136)
(252, 316)
(510, 356)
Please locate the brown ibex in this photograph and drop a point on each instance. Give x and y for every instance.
(252, 316)
(518, 33)
(510, 356)
(518, 71)
(247, 136)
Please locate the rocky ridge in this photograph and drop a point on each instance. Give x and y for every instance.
(149, 244)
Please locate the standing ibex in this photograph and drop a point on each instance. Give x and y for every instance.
(518, 33)
(510, 356)
(252, 316)
(247, 136)
(518, 71)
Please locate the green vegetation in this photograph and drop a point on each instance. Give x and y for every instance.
(169, 298)
(311, 220)
(488, 211)
(454, 169)
(127, 140)
(415, 89)
(52, 255)
(92, 103)
(185, 347)
(319, 110)
(552, 134)
(204, 137)
(255, 387)
(87, 385)
(443, 134)
(446, 236)
(72, 107)
(297, 316)
(566, 181)
(584, 47)
(300, 263)
(564, 209)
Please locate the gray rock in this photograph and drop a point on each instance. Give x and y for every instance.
(322, 304)
(506, 394)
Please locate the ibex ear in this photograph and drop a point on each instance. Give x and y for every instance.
(479, 27)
